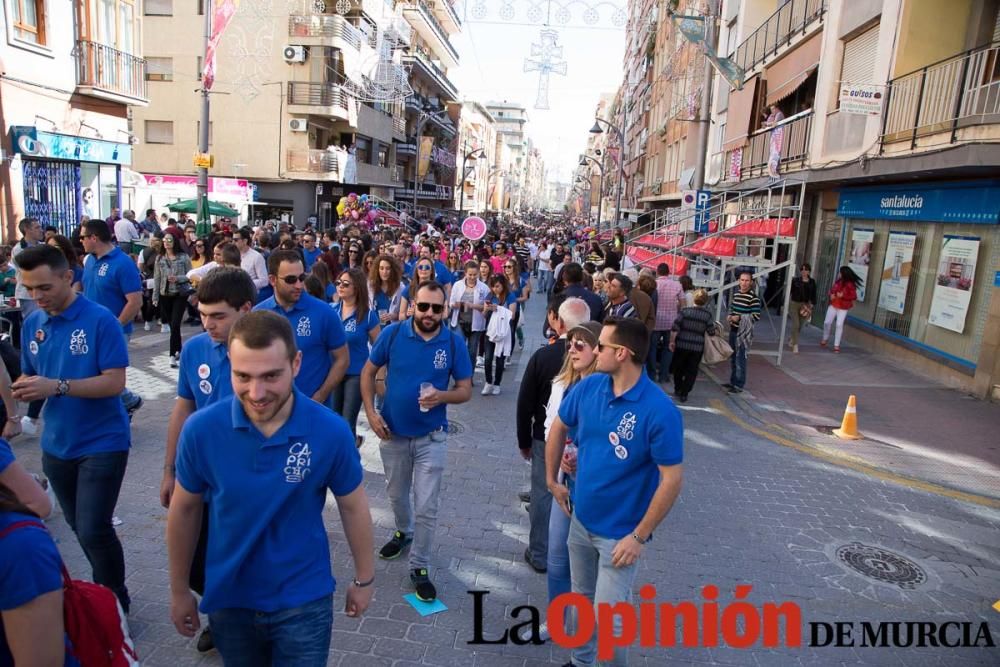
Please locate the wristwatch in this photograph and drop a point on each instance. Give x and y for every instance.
(62, 387)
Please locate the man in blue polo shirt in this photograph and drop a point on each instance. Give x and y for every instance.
(111, 278)
(266, 458)
(225, 295)
(73, 355)
(319, 334)
(630, 441)
(413, 426)
(309, 250)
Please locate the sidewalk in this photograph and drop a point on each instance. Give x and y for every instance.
(912, 425)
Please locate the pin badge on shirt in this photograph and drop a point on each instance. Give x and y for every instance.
(613, 438)
(205, 386)
(40, 335)
(621, 452)
(33, 346)
(204, 371)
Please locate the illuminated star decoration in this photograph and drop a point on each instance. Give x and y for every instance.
(546, 59)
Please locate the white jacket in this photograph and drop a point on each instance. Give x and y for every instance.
(480, 295)
(498, 331)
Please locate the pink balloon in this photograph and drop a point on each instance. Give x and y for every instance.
(354, 214)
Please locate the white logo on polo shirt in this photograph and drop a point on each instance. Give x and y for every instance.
(350, 326)
(33, 346)
(298, 462)
(103, 271)
(626, 426)
(440, 360)
(304, 327)
(78, 342)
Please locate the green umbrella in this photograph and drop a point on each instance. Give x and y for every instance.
(191, 206)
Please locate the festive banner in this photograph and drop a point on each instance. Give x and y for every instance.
(425, 149)
(223, 12)
(953, 287)
(861, 256)
(896, 271)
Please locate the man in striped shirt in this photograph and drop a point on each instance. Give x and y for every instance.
(744, 311)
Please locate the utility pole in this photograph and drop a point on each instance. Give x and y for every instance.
(203, 226)
(705, 113)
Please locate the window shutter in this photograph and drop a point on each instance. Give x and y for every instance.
(159, 69)
(859, 57)
(160, 7)
(996, 28)
(159, 132)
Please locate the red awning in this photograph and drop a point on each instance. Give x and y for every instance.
(763, 227)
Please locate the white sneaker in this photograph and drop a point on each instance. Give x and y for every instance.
(164, 328)
(543, 633)
(29, 426)
(480, 362)
(175, 360)
(147, 326)
(487, 390)
(496, 390)
(795, 349)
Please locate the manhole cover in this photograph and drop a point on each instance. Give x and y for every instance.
(454, 428)
(882, 565)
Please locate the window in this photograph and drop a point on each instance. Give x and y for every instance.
(363, 150)
(383, 155)
(159, 7)
(159, 132)
(29, 20)
(114, 23)
(159, 69)
(859, 57)
(197, 135)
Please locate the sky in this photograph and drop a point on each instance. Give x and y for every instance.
(492, 53)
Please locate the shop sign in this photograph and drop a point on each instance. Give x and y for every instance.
(229, 189)
(203, 160)
(31, 142)
(861, 98)
(963, 202)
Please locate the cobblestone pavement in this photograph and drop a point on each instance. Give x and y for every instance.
(751, 512)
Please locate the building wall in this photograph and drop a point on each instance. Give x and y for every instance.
(930, 30)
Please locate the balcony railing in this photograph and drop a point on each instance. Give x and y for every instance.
(433, 71)
(448, 10)
(108, 70)
(961, 91)
(399, 124)
(421, 7)
(325, 25)
(306, 93)
(796, 135)
(311, 161)
(790, 19)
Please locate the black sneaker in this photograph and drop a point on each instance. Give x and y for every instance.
(423, 586)
(726, 385)
(134, 408)
(524, 496)
(394, 547)
(735, 390)
(205, 641)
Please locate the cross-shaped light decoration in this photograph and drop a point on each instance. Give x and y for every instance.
(546, 59)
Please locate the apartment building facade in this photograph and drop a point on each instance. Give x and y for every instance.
(68, 79)
(512, 148)
(476, 158)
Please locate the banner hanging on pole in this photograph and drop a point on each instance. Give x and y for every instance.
(223, 12)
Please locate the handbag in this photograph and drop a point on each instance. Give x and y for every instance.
(717, 348)
(806, 311)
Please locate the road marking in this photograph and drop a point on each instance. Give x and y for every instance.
(855, 463)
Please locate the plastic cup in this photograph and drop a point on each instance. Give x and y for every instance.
(425, 388)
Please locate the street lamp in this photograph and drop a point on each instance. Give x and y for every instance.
(620, 132)
(461, 196)
(584, 159)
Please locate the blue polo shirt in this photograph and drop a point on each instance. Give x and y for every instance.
(268, 549)
(621, 442)
(81, 342)
(413, 360)
(108, 280)
(318, 331)
(205, 375)
(310, 257)
(441, 272)
(357, 334)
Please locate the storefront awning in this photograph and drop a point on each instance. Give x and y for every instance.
(787, 74)
(741, 103)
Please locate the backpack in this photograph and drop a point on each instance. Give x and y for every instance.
(94, 621)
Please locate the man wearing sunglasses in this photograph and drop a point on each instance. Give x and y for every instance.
(413, 426)
(630, 439)
(319, 334)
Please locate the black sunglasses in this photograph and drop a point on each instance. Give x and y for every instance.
(438, 308)
(344, 283)
(580, 345)
(424, 267)
(291, 280)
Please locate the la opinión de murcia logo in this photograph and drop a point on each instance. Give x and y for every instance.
(708, 623)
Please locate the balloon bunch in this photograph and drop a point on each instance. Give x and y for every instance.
(358, 209)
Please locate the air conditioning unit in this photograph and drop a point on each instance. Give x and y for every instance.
(295, 54)
(298, 125)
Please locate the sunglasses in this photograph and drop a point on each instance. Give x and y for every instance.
(344, 283)
(614, 346)
(580, 345)
(508, 266)
(352, 251)
(291, 280)
(438, 308)
(424, 267)
(199, 245)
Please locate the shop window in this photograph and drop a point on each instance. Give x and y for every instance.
(159, 69)
(159, 8)
(159, 132)
(29, 20)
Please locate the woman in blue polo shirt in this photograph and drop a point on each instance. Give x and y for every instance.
(361, 327)
(423, 271)
(385, 288)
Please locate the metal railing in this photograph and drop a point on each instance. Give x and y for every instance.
(324, 25)
(107, 68)
(317, 94)
(428, 14)
(791, 18)
(960, 91)
(418, 56)
(311, 161)
(450, 10)
(796, 135)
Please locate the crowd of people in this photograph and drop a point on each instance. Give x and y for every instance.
(299, 332)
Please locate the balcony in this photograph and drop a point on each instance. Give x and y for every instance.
(957, 96)
(425, 191)
(406, 150)
(420, 62)
(792, 18)
(110, 74)
(372, 174)
(312, 165)
(400, 32)
(427, 26)
(330, 30)
(321, 99)
(446, 14)
(398, 126)
(796, 134)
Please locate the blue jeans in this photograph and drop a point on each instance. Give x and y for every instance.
(596, 578)
(666, 356)
(558, 558)
(541, 502)
(738, 362)
(129, 398)
(87, 490)
(472, 343)
(346, 400)
(544, 281)
(297, 637)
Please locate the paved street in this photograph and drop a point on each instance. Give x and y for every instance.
(751, 512)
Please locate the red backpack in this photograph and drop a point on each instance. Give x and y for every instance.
(95, 623)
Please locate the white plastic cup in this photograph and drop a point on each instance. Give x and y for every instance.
(425, 389)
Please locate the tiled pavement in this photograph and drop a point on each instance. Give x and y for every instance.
(750, 513)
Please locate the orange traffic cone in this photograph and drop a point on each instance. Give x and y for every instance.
(849, 427)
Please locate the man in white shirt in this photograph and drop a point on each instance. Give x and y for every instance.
(125, 231)
(251, 261)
